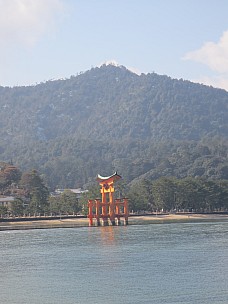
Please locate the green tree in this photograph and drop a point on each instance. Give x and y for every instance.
(3, 210)
(8, 174)
(93, 193)
(37, 191)
(69, 202)
(17, 207)
(190, 194)
(121, 189)
(55, 205)
(164, 192)
(212, 195)
(223, 197)
(139, 197)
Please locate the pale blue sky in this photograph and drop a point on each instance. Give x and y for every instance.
(46, 39)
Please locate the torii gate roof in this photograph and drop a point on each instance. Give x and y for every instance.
(114, 176)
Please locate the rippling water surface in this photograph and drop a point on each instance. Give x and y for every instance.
(157, 263)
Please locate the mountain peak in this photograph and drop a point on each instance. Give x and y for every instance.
(114, 63)
(110, 62)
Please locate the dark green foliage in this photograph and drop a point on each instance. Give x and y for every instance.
(139, 197)
(3, 210)
(70, 202)
(164, 190)
(93, 193)
(109, 119)
(172, 194)
(38, 193)
(8, 174)
(66, 203)
(165, 193)
(17, 207)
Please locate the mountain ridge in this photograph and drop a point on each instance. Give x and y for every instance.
(108, 114)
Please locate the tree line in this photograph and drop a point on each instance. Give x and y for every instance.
(169, 194)
(172, 194)
(32, 196)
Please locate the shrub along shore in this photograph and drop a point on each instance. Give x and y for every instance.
(82, 221)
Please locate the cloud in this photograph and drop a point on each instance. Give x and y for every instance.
(25, 21)
(214, 56)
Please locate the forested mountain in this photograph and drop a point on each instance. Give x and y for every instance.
(109, 119)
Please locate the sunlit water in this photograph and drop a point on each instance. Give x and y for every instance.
(156, 263)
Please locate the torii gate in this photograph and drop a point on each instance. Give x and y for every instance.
(109, 210)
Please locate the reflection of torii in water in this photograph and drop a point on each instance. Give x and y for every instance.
(108, 210)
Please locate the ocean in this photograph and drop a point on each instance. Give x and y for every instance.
(153, 263)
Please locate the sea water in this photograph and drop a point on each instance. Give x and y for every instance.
(156, 263)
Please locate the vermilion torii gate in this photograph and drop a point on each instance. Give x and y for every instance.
(109, 210)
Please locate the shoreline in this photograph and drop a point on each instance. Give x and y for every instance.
(133, 220)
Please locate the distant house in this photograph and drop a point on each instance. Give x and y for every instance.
(77, 191)
(6, 201)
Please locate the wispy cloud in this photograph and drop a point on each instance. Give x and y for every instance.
(215, 56)
(25, 21)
